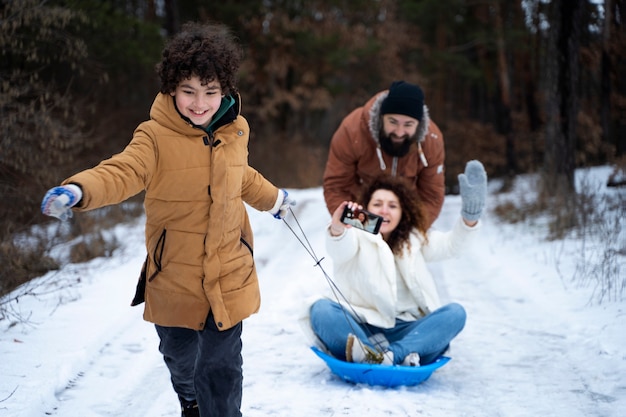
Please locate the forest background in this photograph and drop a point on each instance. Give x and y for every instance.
(526, 86)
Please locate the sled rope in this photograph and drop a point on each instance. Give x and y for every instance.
(333, 286)
(318, 261)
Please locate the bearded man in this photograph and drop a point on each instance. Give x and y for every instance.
(391, 133)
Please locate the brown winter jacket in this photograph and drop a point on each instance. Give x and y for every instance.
(355, 157)
(198, 235)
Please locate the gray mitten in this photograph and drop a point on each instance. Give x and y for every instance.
(473, 188)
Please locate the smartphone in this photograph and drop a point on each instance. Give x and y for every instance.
(362, 219)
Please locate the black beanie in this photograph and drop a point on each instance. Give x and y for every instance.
(404, 98)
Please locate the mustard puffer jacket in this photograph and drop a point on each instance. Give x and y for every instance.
(198, 235)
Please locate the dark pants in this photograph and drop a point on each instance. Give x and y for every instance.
(205, 366)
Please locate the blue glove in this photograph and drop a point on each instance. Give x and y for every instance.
(473, 188)
(283, 205)
(58, 201)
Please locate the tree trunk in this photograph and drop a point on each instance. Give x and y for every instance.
(562, 96)
(605, 74)
(172, 20)
(505, 121)
(618, 84)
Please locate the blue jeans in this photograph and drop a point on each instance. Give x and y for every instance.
(429, 336)
(205, 366)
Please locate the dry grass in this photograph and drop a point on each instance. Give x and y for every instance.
(594, 219)
(25, 256)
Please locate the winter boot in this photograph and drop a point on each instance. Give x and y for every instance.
(189, 409)
(358, 352)
(412, 359)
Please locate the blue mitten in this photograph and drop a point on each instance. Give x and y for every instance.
(283, 205)
(58, 201)
(473, 188)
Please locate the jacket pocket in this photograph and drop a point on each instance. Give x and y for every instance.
(247, 245)
(157, 255)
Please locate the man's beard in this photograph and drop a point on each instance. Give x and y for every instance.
(395, 149)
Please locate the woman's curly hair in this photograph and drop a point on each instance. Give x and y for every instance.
(208, 51)
(413, 212)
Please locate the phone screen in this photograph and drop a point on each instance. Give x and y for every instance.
(362, 219)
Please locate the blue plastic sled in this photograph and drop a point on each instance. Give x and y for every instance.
(387, 376)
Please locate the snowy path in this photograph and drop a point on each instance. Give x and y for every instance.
(521, 353)
(532, 346)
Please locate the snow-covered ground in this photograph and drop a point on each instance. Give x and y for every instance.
(534, 344)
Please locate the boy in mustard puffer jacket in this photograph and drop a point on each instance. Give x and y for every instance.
(191, 158)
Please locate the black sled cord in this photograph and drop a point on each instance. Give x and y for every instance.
(304, 241)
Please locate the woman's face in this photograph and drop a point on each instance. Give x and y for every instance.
(386, 204)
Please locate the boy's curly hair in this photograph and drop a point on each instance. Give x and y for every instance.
(208, 51)
(413, 212)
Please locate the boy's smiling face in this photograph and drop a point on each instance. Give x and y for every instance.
(198, 102)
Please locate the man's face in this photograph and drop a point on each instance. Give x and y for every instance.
(398, 133)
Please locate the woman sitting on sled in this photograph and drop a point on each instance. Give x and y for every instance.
(390, 311)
